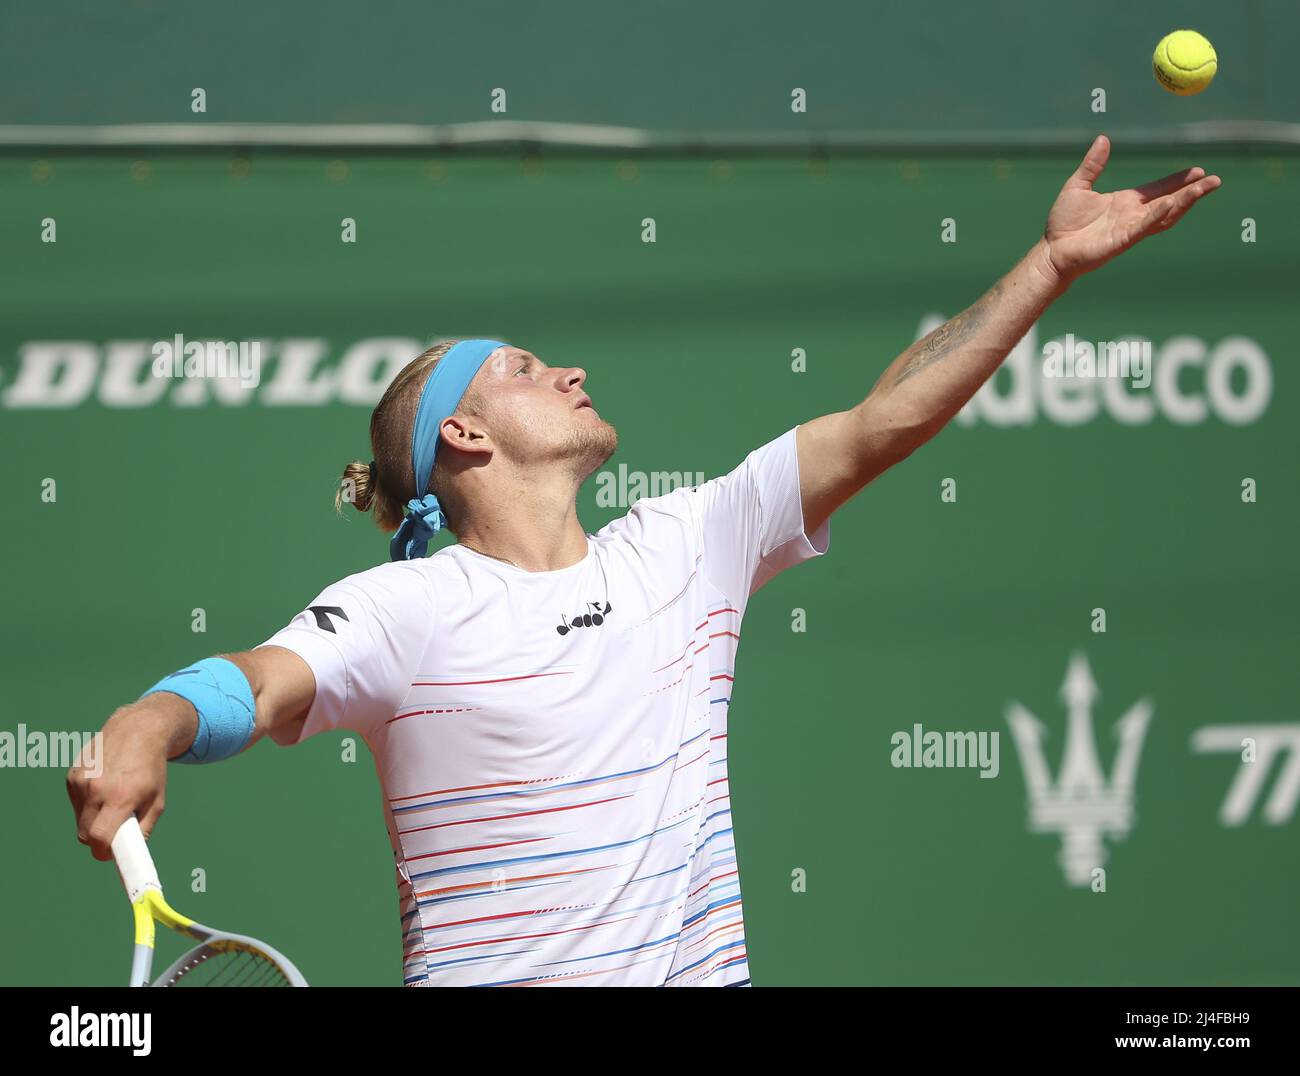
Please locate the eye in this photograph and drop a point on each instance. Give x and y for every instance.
(521, 369)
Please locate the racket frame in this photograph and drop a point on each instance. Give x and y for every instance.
(149, 906)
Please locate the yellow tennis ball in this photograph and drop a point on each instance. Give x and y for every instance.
(1184, 62)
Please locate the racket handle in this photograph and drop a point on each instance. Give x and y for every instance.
(134, 863)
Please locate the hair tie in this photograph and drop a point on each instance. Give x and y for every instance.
(372, 476)
(423, 520)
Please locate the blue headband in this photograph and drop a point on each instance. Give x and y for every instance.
(438, 401)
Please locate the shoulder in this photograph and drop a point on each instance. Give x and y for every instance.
(393, 575)
(395, 587)
(671, 513)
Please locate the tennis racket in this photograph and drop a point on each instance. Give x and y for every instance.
(221, 959)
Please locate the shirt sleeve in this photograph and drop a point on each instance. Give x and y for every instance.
(751, 520)
(363, 639)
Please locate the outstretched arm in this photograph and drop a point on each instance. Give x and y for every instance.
(130, 775)
(930, 382)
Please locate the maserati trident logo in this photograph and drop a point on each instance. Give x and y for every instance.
(1082, 805)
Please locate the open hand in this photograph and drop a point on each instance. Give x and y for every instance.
(1086, 228)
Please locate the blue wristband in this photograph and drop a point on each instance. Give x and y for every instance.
(223, 698)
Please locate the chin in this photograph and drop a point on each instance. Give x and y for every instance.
(591, 443)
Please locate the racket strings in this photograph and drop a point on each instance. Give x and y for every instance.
(230, 967)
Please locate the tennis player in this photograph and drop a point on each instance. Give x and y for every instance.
(548, 708)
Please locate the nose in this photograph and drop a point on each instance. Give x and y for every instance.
(572, 378)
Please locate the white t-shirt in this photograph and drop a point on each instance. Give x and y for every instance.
(553, 745)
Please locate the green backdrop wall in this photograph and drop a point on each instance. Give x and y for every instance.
(937, 65)
(923, 611)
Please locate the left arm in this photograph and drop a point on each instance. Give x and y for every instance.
(929, 383)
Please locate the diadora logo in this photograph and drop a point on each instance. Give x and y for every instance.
(594, 617)
(1082, 804)
(323, 614)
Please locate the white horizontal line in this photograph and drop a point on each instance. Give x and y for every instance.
(509, 132)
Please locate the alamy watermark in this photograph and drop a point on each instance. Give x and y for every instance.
(1129, 360)
(919, 749)
(34, 749)
(227, 360)
(623, 488)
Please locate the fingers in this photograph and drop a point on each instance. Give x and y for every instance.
(84, 810)
(149, 818)
(103, 802)
(76, 789)
(87, 806)
(104, 828)
(1165, 212)
(1094, 163)
(128, 777)
(1174, 181)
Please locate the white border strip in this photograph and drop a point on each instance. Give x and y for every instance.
(583, 135)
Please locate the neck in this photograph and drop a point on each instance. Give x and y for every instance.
(536, 529)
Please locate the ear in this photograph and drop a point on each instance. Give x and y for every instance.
(465, 433)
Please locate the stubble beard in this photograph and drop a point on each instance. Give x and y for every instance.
(585, 446)
(588, 448)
